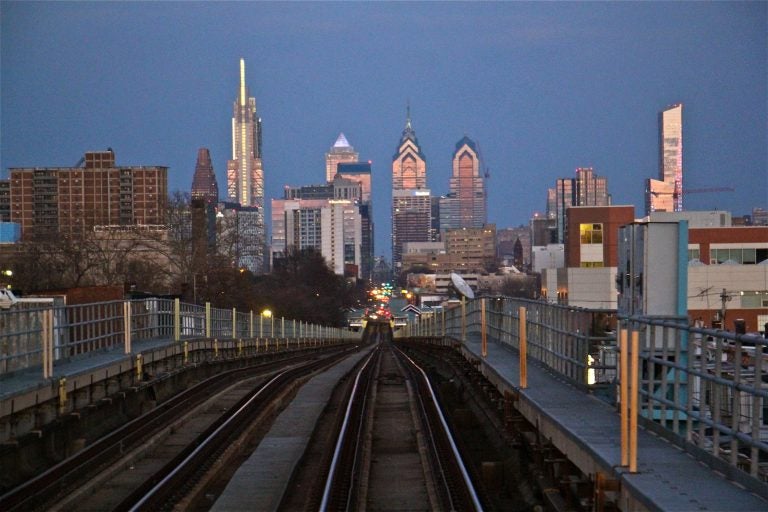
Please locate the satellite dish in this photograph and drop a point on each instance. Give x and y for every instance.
(462, 286)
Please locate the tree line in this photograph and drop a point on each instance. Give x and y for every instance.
(173, 260)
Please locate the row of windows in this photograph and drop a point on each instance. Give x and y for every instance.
(742, 256)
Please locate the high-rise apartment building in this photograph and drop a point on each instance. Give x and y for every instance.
(329, 218)
(340, 152)
(360, 172)
(204, 184)
(245, 175)
(586, 189)
(72, 200)
(411, 201)
(465, 204)
(666, 193)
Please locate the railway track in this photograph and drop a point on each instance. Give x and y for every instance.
(116, 472)
(395, 450)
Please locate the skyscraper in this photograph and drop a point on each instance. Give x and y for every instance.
(411, 202)
(465, 204)
(204, 184)
(666, 193)
(245, 176)
(340, 152)
(586, 189)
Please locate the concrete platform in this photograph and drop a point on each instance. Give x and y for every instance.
(587, 430)
(260, 483)
(28, 388)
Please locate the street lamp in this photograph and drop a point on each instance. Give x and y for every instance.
(268, 314)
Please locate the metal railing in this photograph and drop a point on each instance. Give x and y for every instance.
(41, 335)
(706, 390)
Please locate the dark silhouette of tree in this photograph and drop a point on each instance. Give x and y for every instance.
(302, 286)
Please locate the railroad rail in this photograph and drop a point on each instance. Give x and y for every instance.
(352, 479)
(61, 480)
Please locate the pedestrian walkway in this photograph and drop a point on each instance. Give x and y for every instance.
(259, 484)
(587, 430)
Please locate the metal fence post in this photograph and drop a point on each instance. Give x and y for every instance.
(624, 396)
(634, 413)
(127, 326)
(207, 319)
(47, 343)
(523, 339)
(483, 329)
(176, 320)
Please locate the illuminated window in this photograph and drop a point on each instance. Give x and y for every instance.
(591, 233)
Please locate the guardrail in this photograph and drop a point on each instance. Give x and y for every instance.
(705, 390)
(41, 335)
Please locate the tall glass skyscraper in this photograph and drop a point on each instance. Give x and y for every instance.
(666, 193)
(245, 176)
(465, 205)
(340, 152)
(586, 189)
(411, 202)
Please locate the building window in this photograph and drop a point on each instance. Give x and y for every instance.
(753, 299)
(591, 233)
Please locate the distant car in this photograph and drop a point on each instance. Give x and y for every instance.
(7, 298)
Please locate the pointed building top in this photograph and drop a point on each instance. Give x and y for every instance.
(341, 142)
(408, 126)
(243, 91)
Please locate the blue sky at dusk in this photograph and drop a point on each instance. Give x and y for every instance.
(544, 88)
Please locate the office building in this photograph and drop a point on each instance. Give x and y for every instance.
(74, 200)
(666, 193)
(465, 204)
(340, 152)
(411, 199)
(240, 235)
(330, 218)
(360, 172)
(586, 189)
(587, 275)
(204, 184)
(245, 175)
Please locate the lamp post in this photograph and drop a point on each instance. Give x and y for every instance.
(268, 314)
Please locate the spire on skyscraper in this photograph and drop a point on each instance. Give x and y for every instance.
(341, 142)
(204, 184)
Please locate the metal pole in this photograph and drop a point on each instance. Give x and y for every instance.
(176, 320)
(234, 323)
(207, 319)
(633, 403)
(523, 336)
(483, 332)
(463, 319)
(127, 325)
(624, 395)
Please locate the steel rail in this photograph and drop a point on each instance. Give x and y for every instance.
(118, 439)
(457, 456)
(340, 441)
(164, 481)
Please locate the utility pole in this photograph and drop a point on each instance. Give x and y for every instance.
(724, 298)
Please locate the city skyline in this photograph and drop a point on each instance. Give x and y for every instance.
(545, 89)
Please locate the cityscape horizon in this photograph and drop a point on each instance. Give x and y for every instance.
(528, 139)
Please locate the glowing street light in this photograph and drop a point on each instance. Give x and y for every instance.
(267, 313)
